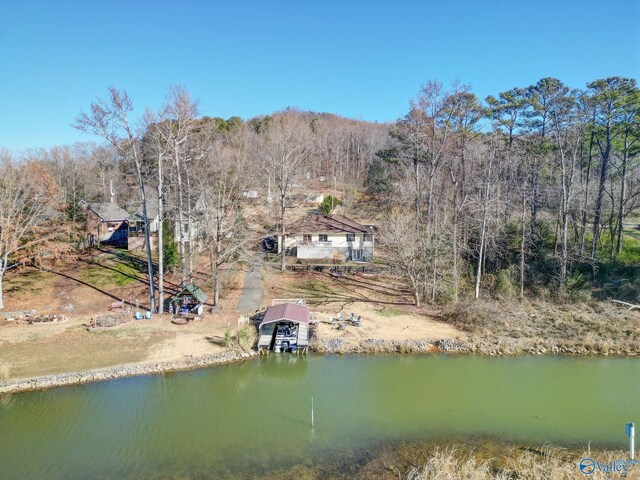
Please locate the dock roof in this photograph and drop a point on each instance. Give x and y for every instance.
(286, 311)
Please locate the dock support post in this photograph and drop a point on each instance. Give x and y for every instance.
(631, 433)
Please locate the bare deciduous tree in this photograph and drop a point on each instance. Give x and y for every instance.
(109, 119)
(29, 202)
(285, 151)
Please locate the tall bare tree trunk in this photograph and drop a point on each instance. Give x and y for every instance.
(481, 254)
(416, 174)
(585, 204)
(190, 227)
(523, 233)
(3, 268)
(456, 274)
(416, 292)
(160, 239)
(604, 173)
(283, 250)
(483, 231)
(147, 239)
(435, 275)
(623, 192)
(183, 273)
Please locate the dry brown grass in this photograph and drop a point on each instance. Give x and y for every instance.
(452, 464)
(542, 327)
(477, 460)
(5, 370)
(515, 463)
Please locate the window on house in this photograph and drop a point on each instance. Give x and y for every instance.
(306, 238)
(323, 237)
(351, 237)
(368, 237)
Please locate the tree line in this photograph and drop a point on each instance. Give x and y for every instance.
(196, 170)
(530, 186)
(527, 187)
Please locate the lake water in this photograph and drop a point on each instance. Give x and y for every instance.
(255, 416)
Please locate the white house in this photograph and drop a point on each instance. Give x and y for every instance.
(315, 197)
(330, 237)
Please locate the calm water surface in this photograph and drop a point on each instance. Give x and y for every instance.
(255, 416)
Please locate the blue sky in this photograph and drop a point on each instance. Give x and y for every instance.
(360, 59)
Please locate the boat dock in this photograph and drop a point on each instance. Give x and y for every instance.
(284, 328)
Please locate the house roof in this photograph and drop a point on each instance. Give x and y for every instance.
(152, 208)
(327, 224)
(108, 212)
(196, 292)
(286, 311)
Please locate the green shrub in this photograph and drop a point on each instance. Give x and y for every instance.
(228, 338)
(328, 204)
(576, 282)
(170, 254)
(503, 284)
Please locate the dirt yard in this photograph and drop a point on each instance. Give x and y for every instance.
(382, 301)
(87, 287)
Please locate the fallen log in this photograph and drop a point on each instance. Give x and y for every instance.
(631, 306)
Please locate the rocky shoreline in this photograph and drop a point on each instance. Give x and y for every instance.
(121, 371)
(320, 346)
(475, 345)
(372, 345)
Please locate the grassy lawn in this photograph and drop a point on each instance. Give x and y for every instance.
(111, 271)
(35, 282)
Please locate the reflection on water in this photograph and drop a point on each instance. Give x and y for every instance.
(255, 416)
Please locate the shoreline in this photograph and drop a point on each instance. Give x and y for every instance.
(319, 347)
(471, 345)
(46, 382)
(482, 458)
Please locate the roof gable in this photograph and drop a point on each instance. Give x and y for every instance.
(286, 311)
(108, 212)
(196, 292)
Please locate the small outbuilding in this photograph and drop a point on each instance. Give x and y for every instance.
(189, 300)
(284, 328)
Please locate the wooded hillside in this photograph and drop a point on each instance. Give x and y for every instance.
(528, 192)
